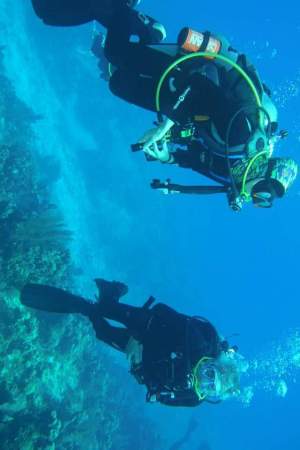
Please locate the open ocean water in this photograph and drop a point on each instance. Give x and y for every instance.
(241, 271)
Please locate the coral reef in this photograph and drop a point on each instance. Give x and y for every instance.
(59, 388)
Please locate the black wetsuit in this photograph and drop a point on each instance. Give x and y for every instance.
(163, 346)
(172, 342)
(64, 13)
(202, 160)
(209, 88)
(198, 87)
(233, 132)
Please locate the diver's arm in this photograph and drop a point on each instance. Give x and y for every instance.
(195, 159)
(156, 134)
(182, 158)
(178, 111)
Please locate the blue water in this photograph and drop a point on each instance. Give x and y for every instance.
(239, 270)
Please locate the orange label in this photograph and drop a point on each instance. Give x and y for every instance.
(193, 41)
(213, 45)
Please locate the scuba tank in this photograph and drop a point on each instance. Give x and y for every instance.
(191, 41)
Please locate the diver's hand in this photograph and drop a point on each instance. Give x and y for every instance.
(155, 135)
(151, 136)
(160, 151)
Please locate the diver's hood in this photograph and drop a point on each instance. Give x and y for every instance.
(283, 171)
(279, 176)
(280, 173)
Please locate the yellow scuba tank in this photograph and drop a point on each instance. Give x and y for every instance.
(191, 41)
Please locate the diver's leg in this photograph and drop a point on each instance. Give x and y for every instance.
(133, 56)
(134, 318)
(55, 300)
(128, 83)
(113, 336)
(134, 89)
(160, 322)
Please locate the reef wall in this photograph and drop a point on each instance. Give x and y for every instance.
(59, 387)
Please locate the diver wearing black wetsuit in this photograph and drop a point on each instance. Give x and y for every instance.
(197, 88)
(162, 345)
(220, 96)
(172, 345)
(208, 87)
(200, 87)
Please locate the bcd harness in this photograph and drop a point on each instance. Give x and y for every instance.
(179, 374)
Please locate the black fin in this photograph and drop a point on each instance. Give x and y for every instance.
(75, 12)
(110, 290)
(51, 299)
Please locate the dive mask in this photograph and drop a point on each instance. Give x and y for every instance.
(207, 380)
(263, 199)
(265, 192)
(210, 382)
(219, 379)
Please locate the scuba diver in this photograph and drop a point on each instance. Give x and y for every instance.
(215, 115)
(180, 359)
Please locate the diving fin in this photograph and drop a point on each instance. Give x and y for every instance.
(63, 13)
(110, 291)
(54, 300)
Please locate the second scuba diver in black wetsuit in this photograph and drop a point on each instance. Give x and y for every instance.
(180, 359)
(219, 120)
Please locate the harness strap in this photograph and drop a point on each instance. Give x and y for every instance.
(206, 35)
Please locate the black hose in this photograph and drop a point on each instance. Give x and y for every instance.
(199, 190)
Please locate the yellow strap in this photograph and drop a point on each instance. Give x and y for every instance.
(200, 118)
(196, 383)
